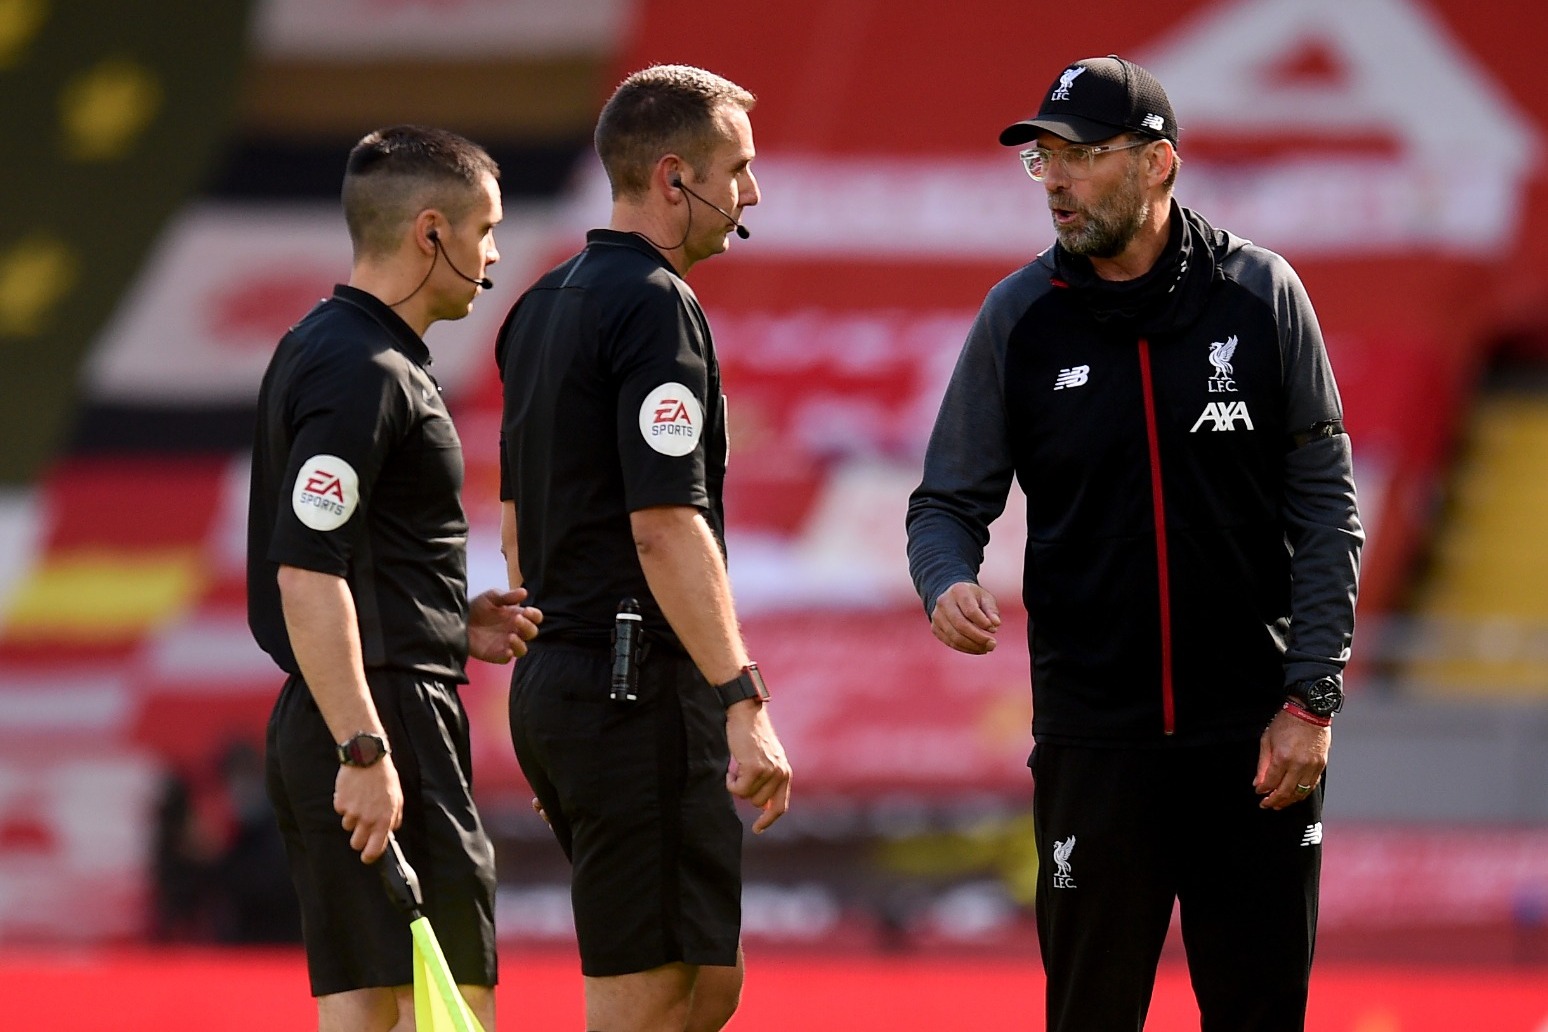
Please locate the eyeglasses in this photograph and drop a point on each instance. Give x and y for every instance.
(1078, 160)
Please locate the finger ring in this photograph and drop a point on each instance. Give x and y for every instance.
(1303, 789)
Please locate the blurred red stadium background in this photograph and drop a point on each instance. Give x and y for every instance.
(1392, 149)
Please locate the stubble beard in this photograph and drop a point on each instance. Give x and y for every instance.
(1110, 224)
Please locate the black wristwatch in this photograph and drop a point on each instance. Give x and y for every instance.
(746, 685)
(1321, 697)
(362, 750)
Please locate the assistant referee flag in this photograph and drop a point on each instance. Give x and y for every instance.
(438, 1003)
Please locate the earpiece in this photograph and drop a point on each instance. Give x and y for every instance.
(434, 236)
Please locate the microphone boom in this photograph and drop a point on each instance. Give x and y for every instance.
(741, 230)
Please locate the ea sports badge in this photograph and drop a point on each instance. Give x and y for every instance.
(326, 492)
(671, 419)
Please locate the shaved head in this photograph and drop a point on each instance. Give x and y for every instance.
(394, 174)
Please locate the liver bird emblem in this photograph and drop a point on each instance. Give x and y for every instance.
(1065, 80)
(1061, 853)
(1220, 353)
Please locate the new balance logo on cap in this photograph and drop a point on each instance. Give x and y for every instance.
(1155, 123)
(1074, 376)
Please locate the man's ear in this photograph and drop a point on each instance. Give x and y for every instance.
(1162, 159)
(670, 169)
(427, 229)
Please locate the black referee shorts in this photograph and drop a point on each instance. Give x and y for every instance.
(636, 793)
(355, 937)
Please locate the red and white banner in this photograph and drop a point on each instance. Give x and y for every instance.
(345, 30)
(225, 282)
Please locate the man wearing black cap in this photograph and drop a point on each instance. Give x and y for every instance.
(1160, 390)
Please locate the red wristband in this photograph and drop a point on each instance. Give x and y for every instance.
(1300, 712)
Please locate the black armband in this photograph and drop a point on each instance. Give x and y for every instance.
(1316, 432)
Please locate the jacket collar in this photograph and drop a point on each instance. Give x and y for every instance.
(1168, 297)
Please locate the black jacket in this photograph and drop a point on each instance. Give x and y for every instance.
(1192, 539)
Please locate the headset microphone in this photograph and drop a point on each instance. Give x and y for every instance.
(741, 230)
(434, 236)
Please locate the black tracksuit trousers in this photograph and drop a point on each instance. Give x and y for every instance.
(1121, 834)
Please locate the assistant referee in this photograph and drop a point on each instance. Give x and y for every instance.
(357, 587)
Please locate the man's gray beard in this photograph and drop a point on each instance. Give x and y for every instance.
(1110, 225)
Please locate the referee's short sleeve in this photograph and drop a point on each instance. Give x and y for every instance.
(347, 408)
(663, 413)
(507, 485)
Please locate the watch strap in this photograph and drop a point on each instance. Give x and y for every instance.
(748, 684)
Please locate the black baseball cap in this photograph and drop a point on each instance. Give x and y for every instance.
(1097, 98)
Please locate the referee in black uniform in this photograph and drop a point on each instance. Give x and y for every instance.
(614, 456)
(357, 586)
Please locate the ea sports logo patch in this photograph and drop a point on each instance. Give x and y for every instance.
(326, 492)
(671, 419)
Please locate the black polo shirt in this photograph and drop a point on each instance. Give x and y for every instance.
(357, 472)
(612, 405)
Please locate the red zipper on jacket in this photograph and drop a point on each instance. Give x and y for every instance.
(1158, 507)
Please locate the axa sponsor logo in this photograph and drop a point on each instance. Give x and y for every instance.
(1063, 878)
(1074, 376)
(671, 419)
(1223, 415)
(1220, 353)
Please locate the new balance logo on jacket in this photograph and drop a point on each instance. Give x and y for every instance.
(1072, 377)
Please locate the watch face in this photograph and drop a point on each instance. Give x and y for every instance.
(756, 677)
(1324, 697)
(362, 750)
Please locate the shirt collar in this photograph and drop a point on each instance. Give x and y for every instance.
(403, 337)
(615, 238)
